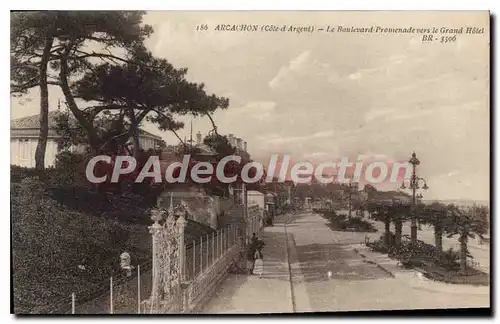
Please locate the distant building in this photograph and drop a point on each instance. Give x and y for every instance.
(24, 139)
(256, 198)
(239, 145)
(390, 197)
(204, 152)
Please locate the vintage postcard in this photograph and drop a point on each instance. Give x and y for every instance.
(230, 162)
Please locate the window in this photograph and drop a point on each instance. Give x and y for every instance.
(24, 146)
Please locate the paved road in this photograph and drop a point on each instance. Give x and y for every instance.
(357, 285)
(314, 250)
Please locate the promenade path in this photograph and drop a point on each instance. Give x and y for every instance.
(249, 294)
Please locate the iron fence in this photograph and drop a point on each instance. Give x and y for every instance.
(206, 260)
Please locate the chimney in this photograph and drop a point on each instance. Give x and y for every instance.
(238, 143)
(245, 146)
(230, 138)
(198, 138)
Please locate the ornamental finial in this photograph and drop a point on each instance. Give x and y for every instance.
(156, 215)
(414, 160)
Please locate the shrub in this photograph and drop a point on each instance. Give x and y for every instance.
(379, 245)
(69, 169)
(360, 224)
(416, 254)
(408, 254)
(449, 259)
(328, 213)
(337, 222)
(50, 240)
(17, 173)
(342, 223)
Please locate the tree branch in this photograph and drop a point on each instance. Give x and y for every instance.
(213, 123)
(170, 129)
(100, 55)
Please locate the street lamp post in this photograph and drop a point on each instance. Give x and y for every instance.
(414, 182)
(352, 186)
(418, 201)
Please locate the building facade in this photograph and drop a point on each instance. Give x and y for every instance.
(24, 139)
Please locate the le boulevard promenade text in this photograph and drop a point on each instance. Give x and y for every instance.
(299, 29)
(231, 169)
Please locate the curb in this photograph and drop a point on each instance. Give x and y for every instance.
(367, 260)
(292, 295)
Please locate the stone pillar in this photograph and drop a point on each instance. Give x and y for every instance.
(181, 225)
(214, 210)
(155, 231)
(245, 210)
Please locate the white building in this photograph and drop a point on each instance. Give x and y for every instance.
(24, 139)
(256, 198)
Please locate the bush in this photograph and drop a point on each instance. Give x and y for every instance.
(417, 254)
(408, 254)
(360, 224)
(379, 245)
(17, 173)
(50, 240)
(342, 223)
(327, 213)
(449, 259)
(336, 221)
(69, 169)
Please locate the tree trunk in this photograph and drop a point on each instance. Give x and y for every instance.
(387, 226)
(44, 107)
(438, 237)
(463, 252)
(135, 132)
(398, 231)
(87, 125)
(136, 144)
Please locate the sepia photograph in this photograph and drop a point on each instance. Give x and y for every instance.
(250, 162)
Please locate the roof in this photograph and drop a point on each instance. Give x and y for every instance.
(33, 123)
(255, 193)
(204, 149)
(143, 133)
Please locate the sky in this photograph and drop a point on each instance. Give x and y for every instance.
(322, 96)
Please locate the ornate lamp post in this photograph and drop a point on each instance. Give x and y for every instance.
(419, 198)
(414, 182)
(352, 187)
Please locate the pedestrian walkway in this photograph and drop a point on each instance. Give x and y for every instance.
(247, 294)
